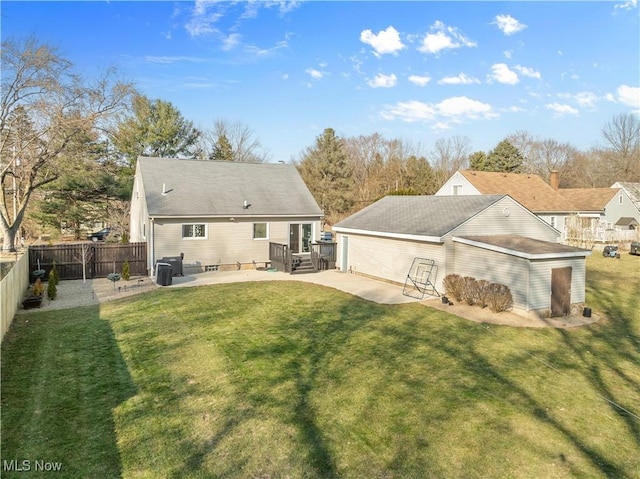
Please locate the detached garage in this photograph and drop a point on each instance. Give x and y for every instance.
(490, 237)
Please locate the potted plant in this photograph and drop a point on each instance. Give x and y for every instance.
(33, 298)
(38, 274)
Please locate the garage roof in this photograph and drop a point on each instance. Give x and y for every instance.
(419, 216)
(516, 245)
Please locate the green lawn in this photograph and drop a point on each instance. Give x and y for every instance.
(292, 380)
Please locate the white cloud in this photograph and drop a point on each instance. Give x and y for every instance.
(528, 72)
(383, 81)
(461, 106)
(461, 79)
(443, 38)
(454, 109)
(419, 80)
(202, 20)
(409, 111)
(629, 95)
(586, 99)
(168, 60)
(561, 109)
(509, 25)
(501, 73)
(628, 5)
(386, 41)
(232, 41)
(316, 74)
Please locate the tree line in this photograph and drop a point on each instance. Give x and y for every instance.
(68, 148)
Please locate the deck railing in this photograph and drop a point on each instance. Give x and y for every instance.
(323, 255)
(280, 257)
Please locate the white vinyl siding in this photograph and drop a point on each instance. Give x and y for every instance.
(540, 290)
(520, 221)
(227, 242)
(391, 259)
(495, 267)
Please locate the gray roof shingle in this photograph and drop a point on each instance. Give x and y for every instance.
(220, 188)
(527, 245)
(418, 215)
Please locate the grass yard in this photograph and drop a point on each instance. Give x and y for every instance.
(293, 380)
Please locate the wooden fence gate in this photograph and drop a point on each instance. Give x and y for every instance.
(99, 259)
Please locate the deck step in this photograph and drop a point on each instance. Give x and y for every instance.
(304, 266)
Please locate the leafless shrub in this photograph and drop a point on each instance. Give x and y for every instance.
(482, 289)
(499, 297)
(453, 286)
(469, 291)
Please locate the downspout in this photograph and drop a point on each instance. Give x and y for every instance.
(152, 245)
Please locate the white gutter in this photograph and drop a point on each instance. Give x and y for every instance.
(521, 254)
(180, 217)
(383, 234)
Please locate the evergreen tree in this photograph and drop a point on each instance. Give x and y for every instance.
(419, 176)
(156, 128)
(504, 158)
(478, 161)
(222, 150)
(328, 175)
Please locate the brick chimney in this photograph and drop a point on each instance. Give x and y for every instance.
(554, 179)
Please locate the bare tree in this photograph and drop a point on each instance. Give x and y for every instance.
(48, 114)
(541, 157)
(622, 133)
(449, 155)
(246, 147)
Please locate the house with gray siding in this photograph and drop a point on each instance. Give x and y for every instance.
(490, 237)
(220, 214)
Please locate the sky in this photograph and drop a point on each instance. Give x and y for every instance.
(416, 71)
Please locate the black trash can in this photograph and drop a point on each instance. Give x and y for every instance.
(164, 274)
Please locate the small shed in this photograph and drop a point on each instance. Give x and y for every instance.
(542, 276)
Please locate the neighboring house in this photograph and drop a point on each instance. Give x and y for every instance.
(582, 215)
(220, 214)
(490, 237)
(602, 215)
(529, 190)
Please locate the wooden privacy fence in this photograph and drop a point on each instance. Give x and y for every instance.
(99, 259)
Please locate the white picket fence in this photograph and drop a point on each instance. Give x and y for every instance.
(12, 288)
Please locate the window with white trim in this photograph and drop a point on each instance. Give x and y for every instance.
(194, 231)
(457, 190)
(260, 231)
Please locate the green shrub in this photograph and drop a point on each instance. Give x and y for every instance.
(125, 270)
(499, 297)
(52, 289)
(53, 274)
(453, 286)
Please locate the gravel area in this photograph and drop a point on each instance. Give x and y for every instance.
(74, 293)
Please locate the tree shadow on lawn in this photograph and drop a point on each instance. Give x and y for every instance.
(62, 376)
(605, 347)
(295, 353)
